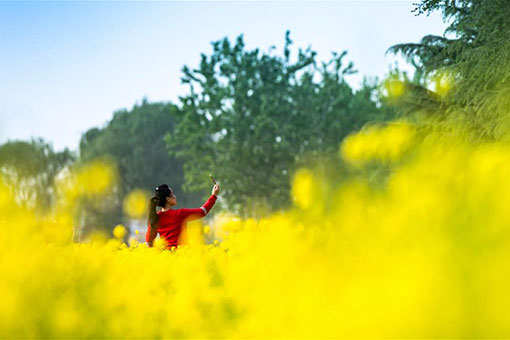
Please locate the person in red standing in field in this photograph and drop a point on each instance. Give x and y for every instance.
(169, 222)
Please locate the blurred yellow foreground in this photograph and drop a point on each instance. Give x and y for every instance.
(424, 254)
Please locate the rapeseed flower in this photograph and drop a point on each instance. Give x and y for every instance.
(424, 254)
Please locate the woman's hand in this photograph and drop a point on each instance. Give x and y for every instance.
(216, 189)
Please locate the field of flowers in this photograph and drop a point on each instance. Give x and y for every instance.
(423, 253)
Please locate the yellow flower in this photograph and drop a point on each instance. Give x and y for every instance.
(443, 82)
(303, 188)
(385, 144)
(207, 229)
(135, 204)
(393, 87)
(119, 231)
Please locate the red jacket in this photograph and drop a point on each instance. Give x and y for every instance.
(172, 221)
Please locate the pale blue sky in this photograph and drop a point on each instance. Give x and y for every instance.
(66, 66)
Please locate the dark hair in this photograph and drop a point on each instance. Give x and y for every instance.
(159, 199)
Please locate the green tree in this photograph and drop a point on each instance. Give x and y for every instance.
(30, 167)
(475, 51)
(252, 117)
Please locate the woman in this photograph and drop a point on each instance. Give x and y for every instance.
(169, 222)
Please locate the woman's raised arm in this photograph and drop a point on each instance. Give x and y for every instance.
(195, 214)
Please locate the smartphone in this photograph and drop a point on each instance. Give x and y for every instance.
(212, 179)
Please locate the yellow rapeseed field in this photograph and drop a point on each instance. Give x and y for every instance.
(424, 254)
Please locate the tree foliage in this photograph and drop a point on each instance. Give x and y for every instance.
(252, 117)
(31, 167)
(477, 58)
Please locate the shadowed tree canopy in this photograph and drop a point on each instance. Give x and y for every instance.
(31, 168)
(252, 117)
